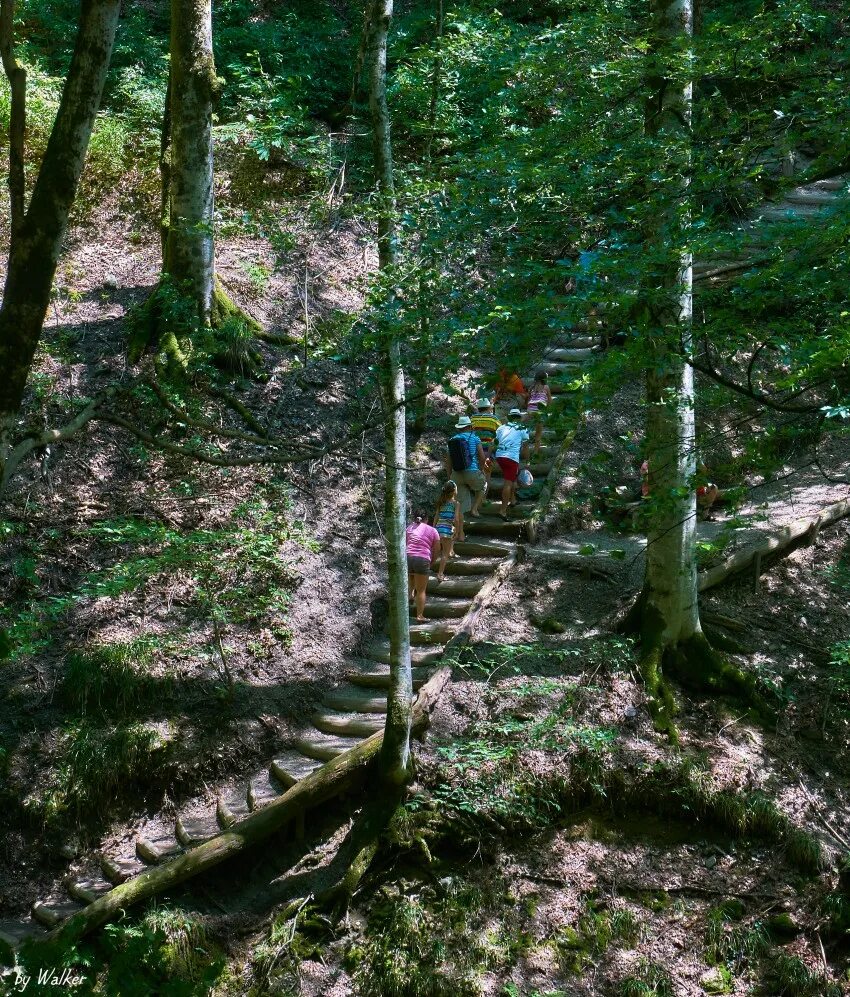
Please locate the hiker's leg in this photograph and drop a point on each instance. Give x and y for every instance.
(444, 556)
(421, 583)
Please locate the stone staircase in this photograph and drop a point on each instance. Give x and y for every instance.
(806, 202)
(350, 712)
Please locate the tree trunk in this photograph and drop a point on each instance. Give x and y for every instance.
(423, 351)
(670, 607)
(189, 247)
(395, 752)
(165, 172)
(17, 77)
(35, 249)
(671, 634)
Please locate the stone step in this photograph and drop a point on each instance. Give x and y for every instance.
(13, 934)
(158, 847)
(86, 889)
(520, 510)
(232, 806)
(483, 548)
(455, 587)
(376, 675)
(494, 526)
(53, 912)
(565, 370)
(118, 868)
(355, 699)
(348, 724)
(443, 608)
(572, 355)
(813, 196)
(786, 212)
(314, 744)
(470, 566)
(264, 788)
(378, 650)
(291, 766)
(427, 634)
(192, 829)
(575, 341)
(832, 183)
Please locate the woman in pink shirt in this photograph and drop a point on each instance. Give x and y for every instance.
(423, 547)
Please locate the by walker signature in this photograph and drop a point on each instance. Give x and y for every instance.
(50, 977)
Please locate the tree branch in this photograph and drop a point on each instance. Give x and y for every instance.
(757, 396)
(31, 443)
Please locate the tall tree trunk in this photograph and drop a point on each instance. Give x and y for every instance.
(395, 753)
(17, 77)
(671, 634)
(187, 208)
(38, 237)
(189, 247)
(165, 172)
(670, 605)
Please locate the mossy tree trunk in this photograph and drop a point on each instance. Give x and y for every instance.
(190, 297)
(669, 622)
(395, 752)
(38, 234)
(189, 245)
(670, 606)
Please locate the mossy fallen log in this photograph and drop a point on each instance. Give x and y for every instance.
(327, 782)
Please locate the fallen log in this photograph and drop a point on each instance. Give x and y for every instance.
(782, 541)
(547, 492)
(328, 781)
(461, 637)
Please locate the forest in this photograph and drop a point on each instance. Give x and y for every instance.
(425, 498)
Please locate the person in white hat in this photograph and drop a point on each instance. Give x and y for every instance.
(511, 447)
(466, 461)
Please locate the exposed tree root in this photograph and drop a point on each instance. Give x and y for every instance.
(694, 662)
(167, 323)
(659, 697)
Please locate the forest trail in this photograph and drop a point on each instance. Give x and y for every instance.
(356, 708)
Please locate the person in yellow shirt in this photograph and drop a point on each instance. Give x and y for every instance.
(485, 424)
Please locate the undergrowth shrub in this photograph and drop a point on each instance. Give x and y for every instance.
(166, 951)
(94, 766)
(649, 980)
(431, 943)
(114, 678)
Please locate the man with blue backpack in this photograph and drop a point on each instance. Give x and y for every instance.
(466, 463)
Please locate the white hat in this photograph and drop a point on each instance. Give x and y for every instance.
(515, 411)
(483, 403)
(463, 422)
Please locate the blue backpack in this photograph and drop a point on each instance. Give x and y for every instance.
(460, 451)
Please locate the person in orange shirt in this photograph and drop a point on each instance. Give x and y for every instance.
(510, 393)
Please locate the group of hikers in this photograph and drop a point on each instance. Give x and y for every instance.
(499, 432)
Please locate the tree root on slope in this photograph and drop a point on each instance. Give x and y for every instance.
(167, 323)
(700, 667)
